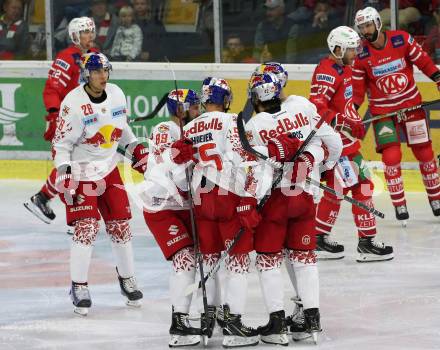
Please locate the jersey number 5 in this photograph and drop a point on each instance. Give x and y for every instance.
(204, 156)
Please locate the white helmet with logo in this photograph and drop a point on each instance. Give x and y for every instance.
(368, 14)
(78, 25)
(345, 38)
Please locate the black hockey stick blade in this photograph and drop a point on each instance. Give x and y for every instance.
(154, 112)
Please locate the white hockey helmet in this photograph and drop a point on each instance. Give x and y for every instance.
(78, 25)
(345, 38)
(368, 14)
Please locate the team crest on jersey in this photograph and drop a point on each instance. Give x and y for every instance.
(325, 77)
(397, 41)
(390, 67)
(62, 64)
(393, 83)
(348, 93)
(365, 53)
(66, 110)
(91, 119)
(163, 128)
(118, 112)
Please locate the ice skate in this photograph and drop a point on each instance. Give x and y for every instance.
(402, 214)
(327, 249)
(181, 332)
(130, 290)
(207, 323)
(370, 250)
(220, 318)
(79, 293)
(435, 206)
(296, 322)
(312, 320)
(235, 333)
(38, 205)
(275, 331)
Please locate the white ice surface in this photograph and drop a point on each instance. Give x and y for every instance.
(387, 305)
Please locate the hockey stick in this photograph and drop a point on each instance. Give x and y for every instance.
(247, 147)
(194, 231)
(400, 112)
(154, 112)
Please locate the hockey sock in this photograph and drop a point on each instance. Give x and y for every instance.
(271, 280)
(306, 271)
(212, 285)
(429, 170)
(326, 214)
(184, 266)
(49, 186)
(237, 266)
(391, 158)
(365, 221)
(81, 248)
(120, 234)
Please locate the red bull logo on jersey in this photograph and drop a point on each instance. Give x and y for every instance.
(285, 125)
(390, 67)
(392, 84)
(202, 126)
(105, 137)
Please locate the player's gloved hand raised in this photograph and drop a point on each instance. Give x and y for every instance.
(302, 168)
(343, 122)
(247, 213)
(140, 158)
(182, 151)
(51, 125)
(66, 185)
(283, 147)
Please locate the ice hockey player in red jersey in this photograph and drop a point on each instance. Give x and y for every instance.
(332, 92)
(166, 211)
(64, 76)
(384, 69)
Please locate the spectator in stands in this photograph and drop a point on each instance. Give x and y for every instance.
(106, 25)
(432, 42)
(14, 32)
(128, 39)
(408, 13)
(235, 51)
(273, 34)
(153, 31)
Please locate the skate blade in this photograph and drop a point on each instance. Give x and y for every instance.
(298, 336)
(233, 341)
(315, 337)
(178, 341)
(81, 311)
(404, 223)
(205, 339)
(34, 210)
(323, 255)
(365, 258)
(133, 303)
(276, 339)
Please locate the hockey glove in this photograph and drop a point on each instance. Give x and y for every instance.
(283, 147)
(51, 125)
(247, 213)
(355, 127)
(140, 158)
(66, 185)
(302, 168)
(182, 151)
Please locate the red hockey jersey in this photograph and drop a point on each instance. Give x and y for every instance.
(332, 93)
(64, 76)
(388, 74)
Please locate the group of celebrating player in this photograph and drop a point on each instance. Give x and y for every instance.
(204, 191)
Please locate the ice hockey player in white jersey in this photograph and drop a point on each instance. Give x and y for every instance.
(166, 211)
(223, 204)
(332, 145)
(288, 218)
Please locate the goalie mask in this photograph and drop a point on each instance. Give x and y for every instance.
(93, 61)
(275, 68)
(181, 97)
(78, 25)
(368, 14)
(216, 91)
(264, 87)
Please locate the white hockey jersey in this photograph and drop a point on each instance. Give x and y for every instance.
(163, 178)
(222, 160)
(88, 133)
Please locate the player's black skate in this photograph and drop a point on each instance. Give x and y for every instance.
(235, 333)
(296, 322)
(207, 323)
(327, 249)
(312, 321)
(130, 290)
(79, 293)
(220, 317)
(370, 250)
(402, 214)
(435, 206)
(181, 332)
(275, 331)
(38, 205)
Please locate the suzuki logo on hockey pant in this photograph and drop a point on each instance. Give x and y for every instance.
(173, 230)
(8, 116)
